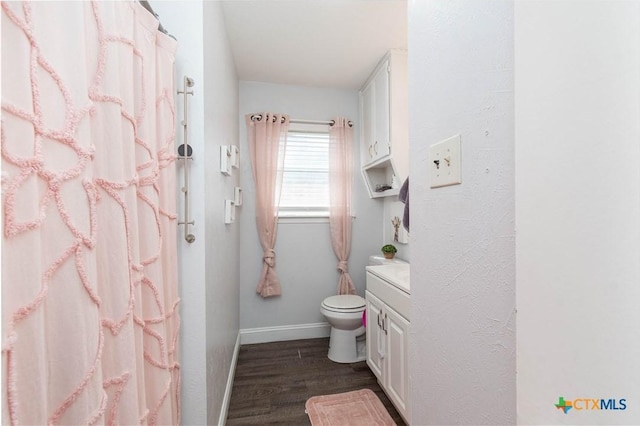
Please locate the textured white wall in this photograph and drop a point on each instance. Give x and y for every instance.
(578, 208)
(305, 261)
(208, 277)
(462, 347)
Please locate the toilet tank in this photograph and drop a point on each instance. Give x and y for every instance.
(380, 260)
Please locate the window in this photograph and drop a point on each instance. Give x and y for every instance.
(305, 179)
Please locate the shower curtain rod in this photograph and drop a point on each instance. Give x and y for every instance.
(299, 121)
(147, 6)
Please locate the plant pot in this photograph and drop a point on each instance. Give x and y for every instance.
(389, 255)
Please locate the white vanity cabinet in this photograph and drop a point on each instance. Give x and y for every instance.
(385, 125)
(376, 337)
(388, 308)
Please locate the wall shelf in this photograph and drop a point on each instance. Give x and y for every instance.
(380, 173)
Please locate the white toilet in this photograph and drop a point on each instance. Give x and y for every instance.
(344, 314)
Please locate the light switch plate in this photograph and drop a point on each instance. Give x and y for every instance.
(445, 162)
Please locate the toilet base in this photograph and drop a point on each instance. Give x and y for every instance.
(347, 346)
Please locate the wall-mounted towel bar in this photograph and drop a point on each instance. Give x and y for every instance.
(185, 152)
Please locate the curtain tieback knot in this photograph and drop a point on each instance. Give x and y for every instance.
(269, 257)
(343, 266)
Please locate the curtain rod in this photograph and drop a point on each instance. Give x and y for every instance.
(147, 6)
(258, 117)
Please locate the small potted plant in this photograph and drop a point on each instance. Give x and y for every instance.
(389, 251)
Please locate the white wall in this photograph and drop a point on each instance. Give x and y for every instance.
(306, 264)
(223, 241)
(462, 346)
(578, 208)
(208, 278)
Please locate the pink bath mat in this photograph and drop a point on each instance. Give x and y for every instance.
(361, 407)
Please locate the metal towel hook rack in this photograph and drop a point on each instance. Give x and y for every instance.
(185, 152)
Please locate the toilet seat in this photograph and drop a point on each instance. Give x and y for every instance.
(346, 303)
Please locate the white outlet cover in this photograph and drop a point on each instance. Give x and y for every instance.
(445, 162)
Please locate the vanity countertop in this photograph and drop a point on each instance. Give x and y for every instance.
(396, 274)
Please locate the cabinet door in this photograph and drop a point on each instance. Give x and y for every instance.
(381, 147)
(397, 359)
(368, 123)
(375, 336)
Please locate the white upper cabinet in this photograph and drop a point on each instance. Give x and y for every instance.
(384, 117)
(367, 110)
(375, 119)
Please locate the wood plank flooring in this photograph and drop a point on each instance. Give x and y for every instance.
(274, 380)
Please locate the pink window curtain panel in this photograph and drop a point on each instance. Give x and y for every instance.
(267, 136)
(89, 280)
(340, 180)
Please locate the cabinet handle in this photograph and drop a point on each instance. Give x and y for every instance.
(379, 325)
(370, 147)
(375, 148)
(384, 324)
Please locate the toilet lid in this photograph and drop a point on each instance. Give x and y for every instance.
(345, 302)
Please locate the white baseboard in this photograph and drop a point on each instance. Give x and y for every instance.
(286, 332)
(227, 392)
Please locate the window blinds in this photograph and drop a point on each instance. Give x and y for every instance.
(305, 180)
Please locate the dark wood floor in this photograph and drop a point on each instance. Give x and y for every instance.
(274, 380)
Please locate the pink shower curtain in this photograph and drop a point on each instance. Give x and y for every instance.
(340, 178)
(89, 281)
(267, 138)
